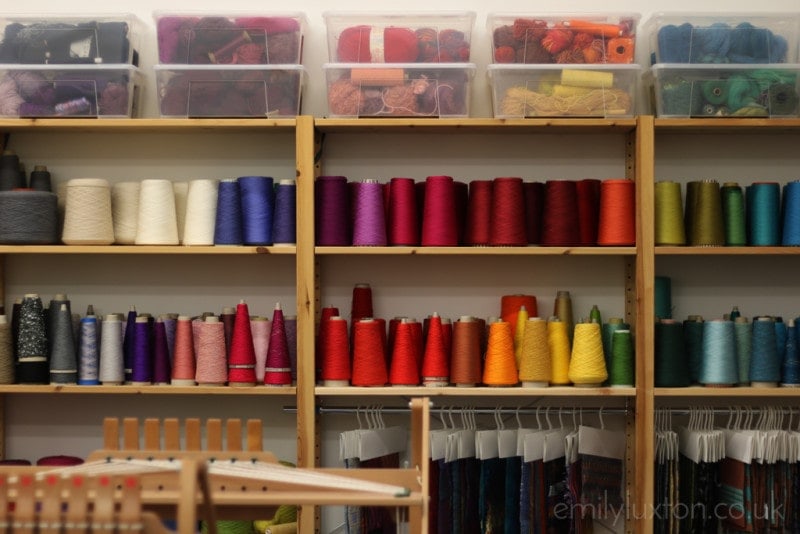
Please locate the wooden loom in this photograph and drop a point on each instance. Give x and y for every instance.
(214, 483)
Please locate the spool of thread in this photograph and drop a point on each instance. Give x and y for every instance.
(719, 366)
(228, 218)
(369, 356)
(28, 217)
(201, 212)
(260, 328)
(765, 364)
(332, 202)
(336, 369)
(403, 226)
(284, 221)
(477, 230)
(211, 366)
(511, 304)
(242, 355)
(560, 350)
(278, 370)
(671, 362)
(500, 366)
(183, 364)
(404, 368)
(534, 207)
(669, 221)
(162, 370)
(790, 371)
(507, 222)
(157, 223)
(465, 362)
(733, 213)
(369, 220)
(181, 191)
(587, 365)
(125, 211)
(88, 352)
(535, 364)
(621, 368)
(439, 217)
(617, 219)
(10, 176)
(436, 357)
(63, 358)
(111, 367)
(560, 224)
(663, 297)
(40, 179)
(562, 308)
(142, 361)
(258, 209)
(7, 375)
(707, 229)
(87, 213)
(763, 214)
(32, 364)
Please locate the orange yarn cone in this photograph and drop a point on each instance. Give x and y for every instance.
(336, 358)
(183, 363)
(465, 358)
(500, 367)
(435, 361)
(404, 370)
(369, 357)
(242, 356)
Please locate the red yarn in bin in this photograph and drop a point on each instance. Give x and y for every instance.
(357, 44)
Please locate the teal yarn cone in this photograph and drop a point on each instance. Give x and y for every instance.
(719, 367)
(765, 367)
(671, 364)
(663, 297)
(763, 205)
(621, 368)
(744, 348)
(790, 371)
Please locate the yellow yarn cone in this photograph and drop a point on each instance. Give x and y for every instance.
(587, 366)
(536, 365)
(522, 318)
(500, 367)
(558, 342)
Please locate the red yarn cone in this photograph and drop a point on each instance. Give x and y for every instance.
(336, 356)
(369, 358)
(183, 363)
(356, 45)
(278, 371)
(322, 337)
(242, 353)
(435, 361)
(404, 370)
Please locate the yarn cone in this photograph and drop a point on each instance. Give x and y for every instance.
(465, 364)
(500, 368)
(560, 350)
(162, 371)
(536, 364)
(336, 370)
(63, 358)
(183, 363)
(404, 370)
(587, 366)
(278, 370)
(519, 332)
(435, 364)
(242, 353)
(211, 363)
(369, 355)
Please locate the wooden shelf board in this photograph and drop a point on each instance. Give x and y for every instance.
(725, 125)
(147, 390)
(476, 125)
(555, 391)
(699, 391)
(477, 251)
(145, 125)
(726, 251)
(145, 249)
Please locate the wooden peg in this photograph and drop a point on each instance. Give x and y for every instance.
(152, 434)
(130, 434)
(193, 439)
(102, 521)
(255, 440)
(111, 433)
(130, 507)
(75, 517)
(172, 434)
(233, 433)
(25, 506)
(214, 434)
(50, 507)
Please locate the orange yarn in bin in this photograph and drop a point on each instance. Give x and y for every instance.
(357, 45)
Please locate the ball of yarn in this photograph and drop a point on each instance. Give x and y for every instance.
(344, 97)
(400, 100)
(355, 45)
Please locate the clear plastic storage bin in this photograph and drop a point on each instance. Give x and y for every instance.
(110, 91)
(399, 90)
(520, 91)
(66, 40)
(435, 37)
(683, 91)
(218, 39)
(229, 90)
(563, 38)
